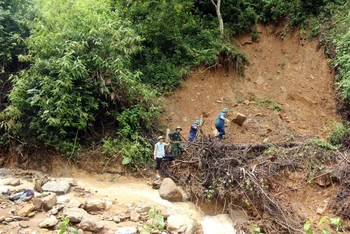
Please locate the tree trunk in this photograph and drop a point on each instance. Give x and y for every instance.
(218, 13)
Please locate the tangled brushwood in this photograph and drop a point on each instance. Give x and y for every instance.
(250, 177)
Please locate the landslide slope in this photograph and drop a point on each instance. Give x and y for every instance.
(287, 93)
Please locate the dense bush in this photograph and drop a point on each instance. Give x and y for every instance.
(80, 76)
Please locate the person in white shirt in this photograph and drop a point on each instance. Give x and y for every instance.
(159, 154)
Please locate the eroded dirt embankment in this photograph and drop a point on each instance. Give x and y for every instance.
(287, 92)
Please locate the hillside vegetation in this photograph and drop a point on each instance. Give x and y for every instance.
(91, 73)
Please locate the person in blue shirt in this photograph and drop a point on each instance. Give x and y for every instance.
(193, 131)
(220, 123)
(159, 154)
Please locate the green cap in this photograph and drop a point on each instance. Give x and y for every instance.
(225, 110)
(178, 127)
(160, 137)
(197, 122)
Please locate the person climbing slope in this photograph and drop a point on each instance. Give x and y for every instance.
(159, 154)
(175, 139)
(220, 123)
(193, 131)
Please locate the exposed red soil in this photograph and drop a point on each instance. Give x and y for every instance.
(287, 93)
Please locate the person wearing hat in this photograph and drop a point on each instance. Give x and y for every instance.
(220, 123)
(175, 139)
(159, 154)
(193, 131)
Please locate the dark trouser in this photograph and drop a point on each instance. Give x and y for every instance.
(177, 148)
(221, 130)
(159, 160)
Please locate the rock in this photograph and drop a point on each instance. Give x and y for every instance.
(24, 211)
(95, 205)
(80, 231)
(246, 102)
(126, 230)
(75, 215)
(31, 214)
(156, 184)
(239, 119)
(48, 222)
(169, 191)
(13, 182)
(260, 80)
(49, 201)
(2, 218)
(218, 224)
(59, 187)
(181, 224)
(9, 219)
(23, 224)
(74, 203)
(134, 216)
(63, 200)
(116, 219)
(88, 223)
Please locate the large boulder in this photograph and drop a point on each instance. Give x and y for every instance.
(59, 187)
(169, 191)
(89, 223)
(95, 205)
(75, 215)
(239, 118)
(180, 224)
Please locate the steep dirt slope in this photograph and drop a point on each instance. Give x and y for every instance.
(287, 92)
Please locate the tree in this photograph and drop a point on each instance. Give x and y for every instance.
(217, 6)
(80, 77)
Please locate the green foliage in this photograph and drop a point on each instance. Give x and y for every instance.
(338, 133)
(65, 228)
(337, 222)
(175, 37)
(256, 229)
(323, 144)
(157, 221)
(13, 28)
(80, 75)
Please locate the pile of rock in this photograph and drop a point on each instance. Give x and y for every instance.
(95, 215)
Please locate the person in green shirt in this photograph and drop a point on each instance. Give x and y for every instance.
(175, 142)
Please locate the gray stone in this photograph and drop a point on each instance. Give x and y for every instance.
(169, 191)
(48, 222)
(24, 211)
(75, 215)
(88, 223)
(126, 230)
(239, 119)
(180, 224)
(49, 201)
(95, 205)
(59, 187)
(13, 182)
